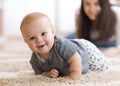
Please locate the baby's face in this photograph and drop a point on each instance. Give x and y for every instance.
(39, 35)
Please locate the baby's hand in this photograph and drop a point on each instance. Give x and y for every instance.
(53, 73)
(67, 79)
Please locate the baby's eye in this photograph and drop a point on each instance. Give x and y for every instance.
(32, 38)
(43, 33)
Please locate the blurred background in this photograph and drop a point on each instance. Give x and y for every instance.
(61, 12)
(14, 53)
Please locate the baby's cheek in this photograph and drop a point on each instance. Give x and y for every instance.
(32, 47)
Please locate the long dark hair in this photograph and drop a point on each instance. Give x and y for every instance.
(105, 22)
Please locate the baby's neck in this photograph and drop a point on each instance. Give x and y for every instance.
(45, 56)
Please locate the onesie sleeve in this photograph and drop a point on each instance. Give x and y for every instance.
(65, 48)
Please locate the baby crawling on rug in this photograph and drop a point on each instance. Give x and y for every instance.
(55, 56)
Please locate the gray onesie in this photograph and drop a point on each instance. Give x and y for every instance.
(61, 52)
(63, 49)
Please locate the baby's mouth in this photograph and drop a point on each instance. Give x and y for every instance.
(41, 46)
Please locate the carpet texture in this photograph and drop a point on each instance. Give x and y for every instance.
(18, 72)
(15, 70)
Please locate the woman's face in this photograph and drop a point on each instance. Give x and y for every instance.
(91, 8)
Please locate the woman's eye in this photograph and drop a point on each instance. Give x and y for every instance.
(32, 38)
(43, 33)
(87, 4)
(97, 4)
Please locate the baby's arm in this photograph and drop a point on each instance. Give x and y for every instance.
(75, 68)
(53, 73)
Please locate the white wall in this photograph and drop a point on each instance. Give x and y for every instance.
(61, 13)
(66, 15)
(15, 10)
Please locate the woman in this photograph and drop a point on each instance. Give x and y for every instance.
(96, 22)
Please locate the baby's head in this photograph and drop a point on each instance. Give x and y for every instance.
(38, 32)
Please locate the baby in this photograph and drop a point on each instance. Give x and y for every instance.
(55, 56)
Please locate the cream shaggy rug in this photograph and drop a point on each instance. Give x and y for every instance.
(18, 72)
(15, 70)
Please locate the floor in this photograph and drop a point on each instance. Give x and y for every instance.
(14, 52)
(15, 69)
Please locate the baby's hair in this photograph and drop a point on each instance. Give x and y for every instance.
(31, 17)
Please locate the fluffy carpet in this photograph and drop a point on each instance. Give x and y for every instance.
(18, 72)
(15, 70)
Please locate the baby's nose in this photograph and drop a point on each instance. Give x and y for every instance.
(39, 39)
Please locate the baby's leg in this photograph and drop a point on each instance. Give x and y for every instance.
(97, 61)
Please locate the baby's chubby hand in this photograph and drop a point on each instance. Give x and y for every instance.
(53, 73)
(67, 79)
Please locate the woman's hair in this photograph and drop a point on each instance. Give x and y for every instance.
(105, 23)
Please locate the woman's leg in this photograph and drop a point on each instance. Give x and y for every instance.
(106, 44)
